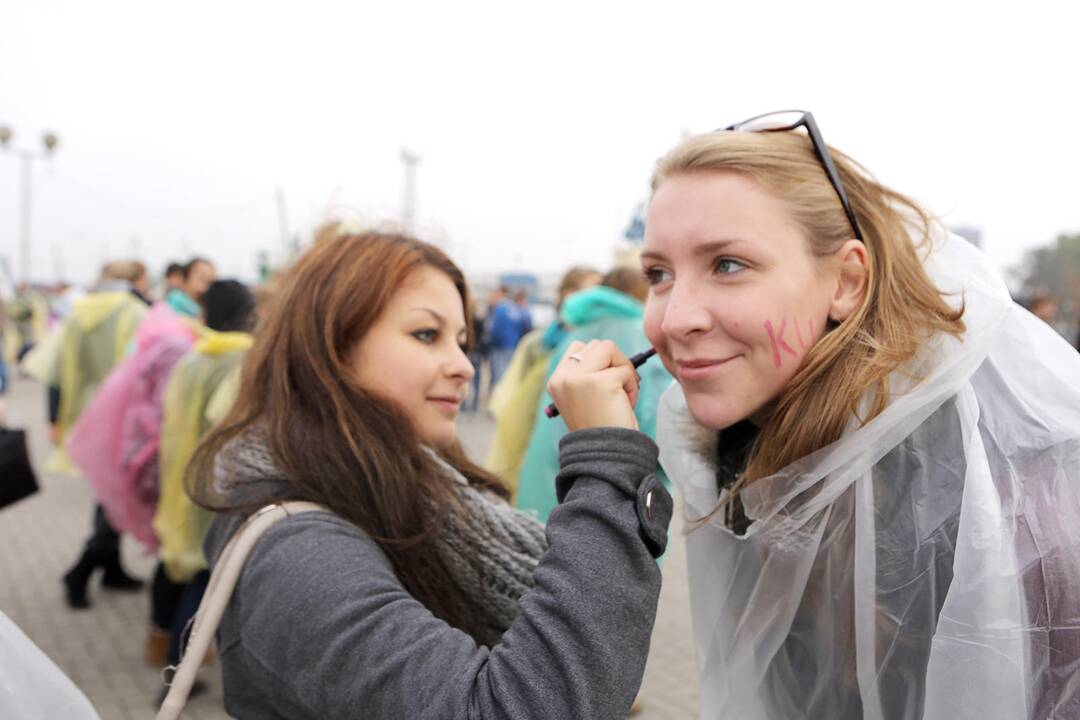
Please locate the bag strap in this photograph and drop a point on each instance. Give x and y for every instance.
(218, 592)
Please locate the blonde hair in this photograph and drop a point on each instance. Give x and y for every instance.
(900, 308)
(128, 270)
(628, 281)
(573, 280)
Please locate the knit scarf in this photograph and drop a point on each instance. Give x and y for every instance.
(490, 547)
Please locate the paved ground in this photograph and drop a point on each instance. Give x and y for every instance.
(101, 649)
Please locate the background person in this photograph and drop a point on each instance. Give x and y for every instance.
(515, 399)
(181, 576)
(507, 323)
(174, 277)
(1043, 306)
(21, 311)
(95, 339)
(196, 277)
(611, 311)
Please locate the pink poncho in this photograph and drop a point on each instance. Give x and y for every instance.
(115, 441)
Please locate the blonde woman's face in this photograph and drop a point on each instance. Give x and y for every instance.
(413, 355)
(736, 300)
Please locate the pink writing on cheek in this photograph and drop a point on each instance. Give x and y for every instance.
(778, 342)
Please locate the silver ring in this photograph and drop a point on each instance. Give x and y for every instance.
(574, 356)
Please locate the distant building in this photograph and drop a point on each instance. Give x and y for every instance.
(522, 281)
(635, 230)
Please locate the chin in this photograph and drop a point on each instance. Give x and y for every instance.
(440, 440)
(712, 413)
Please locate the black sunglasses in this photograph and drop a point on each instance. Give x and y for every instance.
(784, 120)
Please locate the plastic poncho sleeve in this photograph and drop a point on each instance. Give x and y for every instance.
(32, 687)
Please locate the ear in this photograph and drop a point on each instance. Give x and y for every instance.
(852, 275)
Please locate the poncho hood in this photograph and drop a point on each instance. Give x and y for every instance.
(597, 303)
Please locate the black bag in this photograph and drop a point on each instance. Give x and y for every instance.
(17, 478)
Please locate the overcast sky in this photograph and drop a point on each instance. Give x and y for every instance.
(538, 124)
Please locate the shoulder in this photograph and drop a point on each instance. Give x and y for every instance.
(313, 546)
(314, 562)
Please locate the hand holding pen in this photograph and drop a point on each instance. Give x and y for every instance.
(595, 385)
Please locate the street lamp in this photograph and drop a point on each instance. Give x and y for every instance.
(49, 141)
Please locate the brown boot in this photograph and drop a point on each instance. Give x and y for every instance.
(157, 646)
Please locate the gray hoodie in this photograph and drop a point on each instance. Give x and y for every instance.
(319, 625)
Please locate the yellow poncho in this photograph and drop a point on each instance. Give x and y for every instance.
(94, 339)
(77, 356)
(513, 403)
(179, 523)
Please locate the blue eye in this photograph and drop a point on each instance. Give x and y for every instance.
(655, 275)
(727, 266)
(426, 336)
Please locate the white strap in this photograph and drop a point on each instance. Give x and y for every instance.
(218, 592)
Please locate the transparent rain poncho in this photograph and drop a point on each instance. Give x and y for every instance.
(925, 565)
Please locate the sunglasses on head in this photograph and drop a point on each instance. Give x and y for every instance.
(785, 120)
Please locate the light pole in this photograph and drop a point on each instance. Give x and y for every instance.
(26, 172)
(408, 203)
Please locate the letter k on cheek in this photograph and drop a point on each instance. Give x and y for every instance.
(778, 342)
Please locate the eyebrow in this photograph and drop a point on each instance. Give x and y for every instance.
(439, 317)
(706, 248)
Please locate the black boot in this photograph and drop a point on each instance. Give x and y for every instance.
(75, 581)
(116, 579)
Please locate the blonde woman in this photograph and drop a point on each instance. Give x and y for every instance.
(878, 451)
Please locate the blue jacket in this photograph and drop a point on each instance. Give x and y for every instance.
(508, 324)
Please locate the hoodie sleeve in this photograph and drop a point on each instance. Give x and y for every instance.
(321, 627)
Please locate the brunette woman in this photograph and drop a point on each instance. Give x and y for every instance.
(421, 593)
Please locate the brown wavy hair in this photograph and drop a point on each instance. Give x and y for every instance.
(336, 443)
(900, 308)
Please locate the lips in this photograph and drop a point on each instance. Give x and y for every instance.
(450, 403)
(698, 368)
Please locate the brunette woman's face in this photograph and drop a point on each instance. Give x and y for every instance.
(414, 354)
(736, 299)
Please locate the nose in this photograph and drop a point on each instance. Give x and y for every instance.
(460, 366)
(684, 312)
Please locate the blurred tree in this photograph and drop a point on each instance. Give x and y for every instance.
(1055, 269)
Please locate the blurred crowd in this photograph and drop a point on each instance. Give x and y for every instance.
(132, 371)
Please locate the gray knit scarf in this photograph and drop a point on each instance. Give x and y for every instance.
(490, 547)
